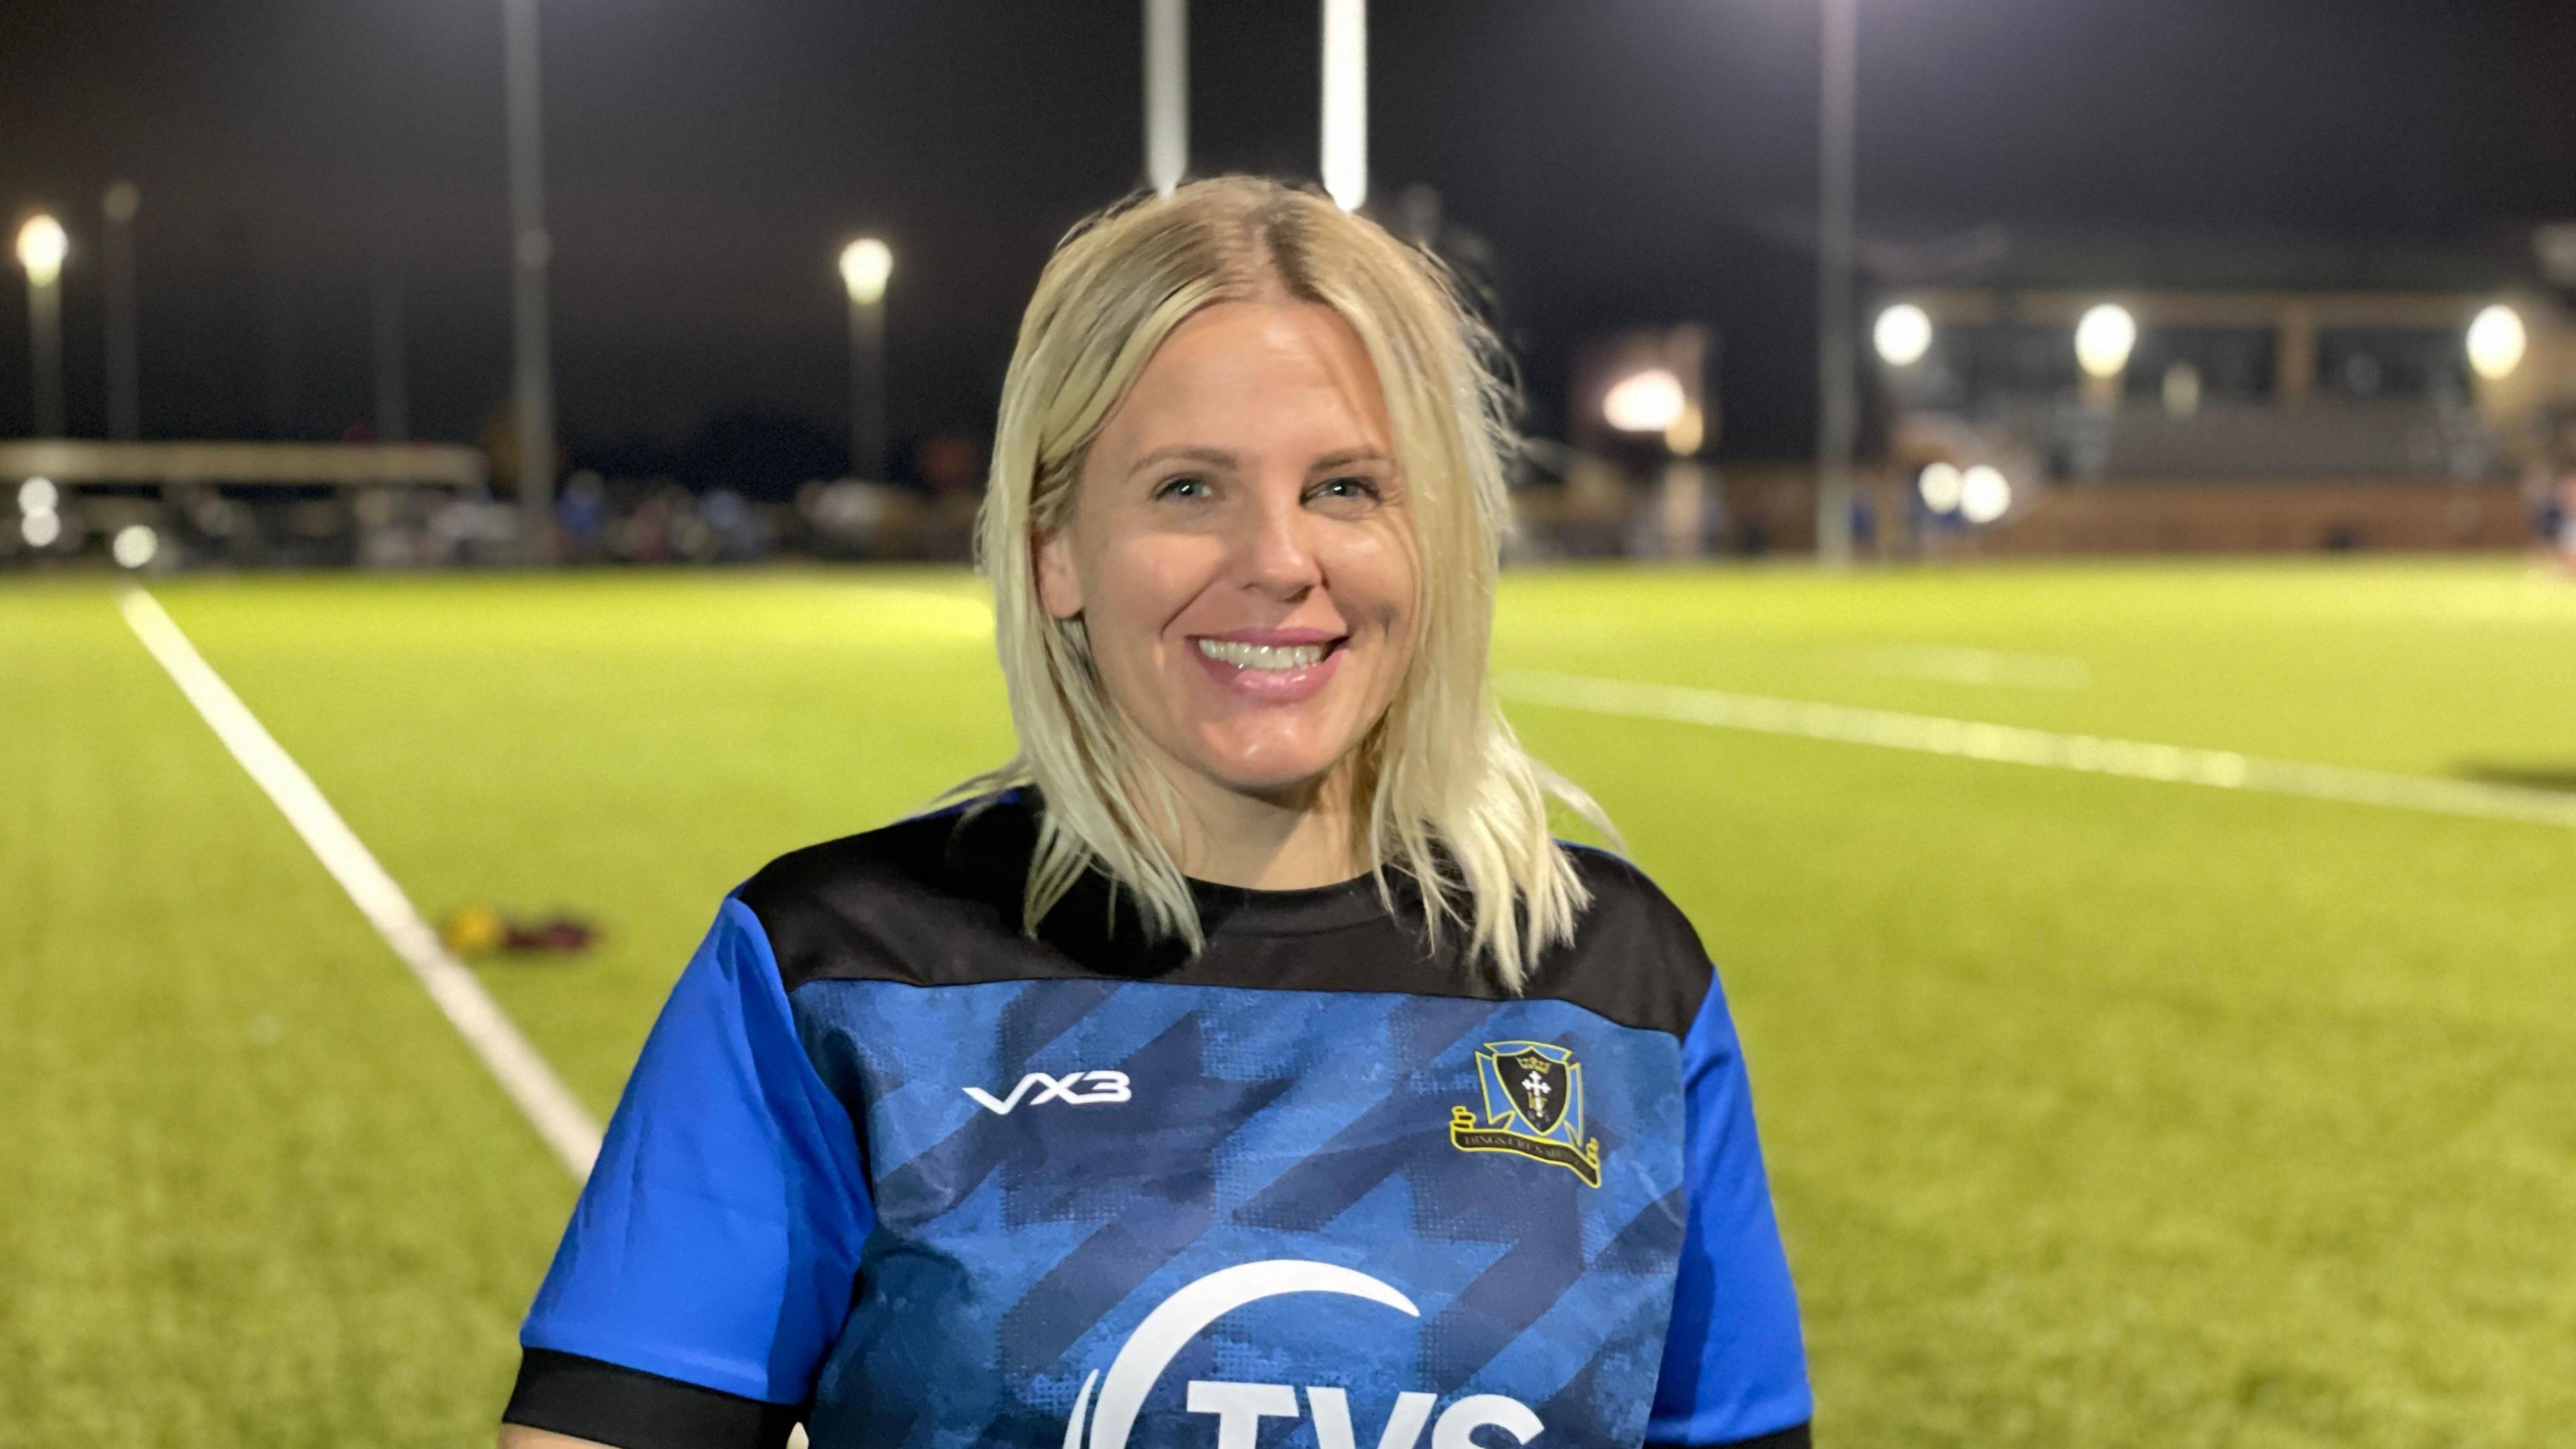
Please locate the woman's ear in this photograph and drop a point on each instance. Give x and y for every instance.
(1059, 584)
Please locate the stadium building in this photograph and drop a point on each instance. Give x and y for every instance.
(2149, 395)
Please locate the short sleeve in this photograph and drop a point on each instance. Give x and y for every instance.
(712, 1256)
(1735, 1366)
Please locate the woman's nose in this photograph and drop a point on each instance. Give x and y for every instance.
(1278, 545)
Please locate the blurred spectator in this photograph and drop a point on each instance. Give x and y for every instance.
(2566, 520)
(949, 463)
(735, 531)
(854, 519)
(581, 512)
(952, 466)
(646, 537)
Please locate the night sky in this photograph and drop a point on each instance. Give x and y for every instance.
(1628, 160)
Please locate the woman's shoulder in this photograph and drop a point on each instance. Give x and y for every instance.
(939, 850)
(889, 892)
(1628, 908)
(1635, 956)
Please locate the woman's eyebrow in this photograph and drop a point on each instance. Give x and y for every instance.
(1184, 453)
(1348, 456)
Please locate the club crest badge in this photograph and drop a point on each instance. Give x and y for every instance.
(1533, 1106)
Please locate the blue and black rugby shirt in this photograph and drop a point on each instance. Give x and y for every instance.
(895, 1169)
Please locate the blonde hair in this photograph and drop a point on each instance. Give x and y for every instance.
(1448, 794)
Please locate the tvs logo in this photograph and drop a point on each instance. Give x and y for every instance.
(1533, 1106)
(1080, 1089)
(1240, 1408)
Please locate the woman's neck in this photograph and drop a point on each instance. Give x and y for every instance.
(1299, 838)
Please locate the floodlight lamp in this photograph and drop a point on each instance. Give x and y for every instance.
(39, 495)
(2103, 337)
(40, 529)
(1645, 402)
(1902, 335)
(1939, 487)
(865, 265)
(1984, 494)
(2496, 342)
(134, 545)
(41, 249)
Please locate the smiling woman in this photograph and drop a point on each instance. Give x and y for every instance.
(1237, 412)
(1250, 605)
(1245, 1047)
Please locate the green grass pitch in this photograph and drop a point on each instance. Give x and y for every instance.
(2100, 1112)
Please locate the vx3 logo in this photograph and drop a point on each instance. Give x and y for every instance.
(1082, 1089)
(1240, 1408)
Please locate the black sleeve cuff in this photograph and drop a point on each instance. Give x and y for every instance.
(567, 1394)
(1793, 1437)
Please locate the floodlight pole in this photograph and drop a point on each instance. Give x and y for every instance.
(866, 265)
(1167, 93)
(531, 251)
(1837, 386)
(124, 392)
(41, 248)
(45, 347)
(867, 389)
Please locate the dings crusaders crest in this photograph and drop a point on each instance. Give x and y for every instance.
(1533, 1106)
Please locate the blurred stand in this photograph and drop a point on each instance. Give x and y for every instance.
(165, 505)
(1632, 482)
(2253, 403)
(417, 506)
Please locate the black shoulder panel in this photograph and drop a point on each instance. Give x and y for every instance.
(1635, 958)
(935, 901)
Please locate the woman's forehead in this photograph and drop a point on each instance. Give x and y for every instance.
(1277, 372)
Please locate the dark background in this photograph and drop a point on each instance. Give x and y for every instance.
(1628, 161)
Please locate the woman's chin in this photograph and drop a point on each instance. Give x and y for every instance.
(1273, 778)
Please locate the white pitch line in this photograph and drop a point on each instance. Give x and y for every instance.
(1976, 666)
(548, 1104)
(2012, 744)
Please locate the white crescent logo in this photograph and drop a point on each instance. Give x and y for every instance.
(1181, 1317)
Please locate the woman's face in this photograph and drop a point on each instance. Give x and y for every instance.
(1239, 550)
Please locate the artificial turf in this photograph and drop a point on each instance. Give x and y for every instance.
(2100, 1112)
(254, 1193)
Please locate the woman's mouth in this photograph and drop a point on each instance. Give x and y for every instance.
(1270, 673)
(1270, 658)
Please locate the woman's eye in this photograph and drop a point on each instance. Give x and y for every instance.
(1187, 486)
(1353, 487)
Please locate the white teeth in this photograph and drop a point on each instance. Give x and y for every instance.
(1262, 656)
